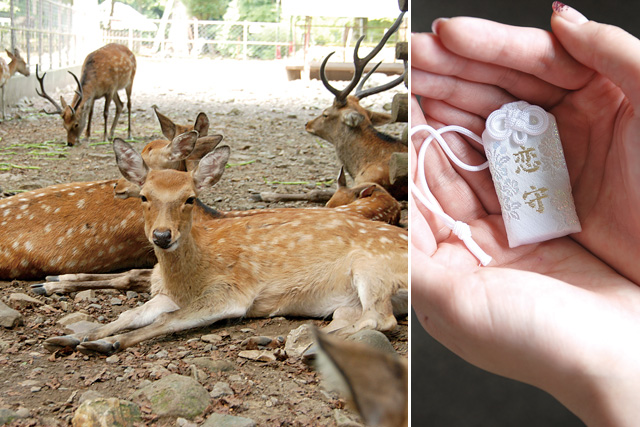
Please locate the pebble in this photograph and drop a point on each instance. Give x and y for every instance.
(9, 317)
(115, 301)
(211, 338)
(113, 359)
(221, 389)
(88, 295)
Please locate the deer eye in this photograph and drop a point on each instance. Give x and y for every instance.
(190, 201)
(143, 198)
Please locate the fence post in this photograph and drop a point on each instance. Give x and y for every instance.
(245, 38)
(13, 24)
(130, 40)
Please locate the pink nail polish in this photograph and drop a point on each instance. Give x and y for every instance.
(568, 13)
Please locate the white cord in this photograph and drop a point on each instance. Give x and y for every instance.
(459, 228)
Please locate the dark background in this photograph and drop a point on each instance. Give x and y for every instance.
(445, 390)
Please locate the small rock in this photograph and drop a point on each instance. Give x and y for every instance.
(6, 416)
(298, 341)
(132, 294)
(73, 318)
(161, 354)
(211, 338)
(176, 396)
(9, 317)
(182, 422)
(20, 300)
(81, 327)
(96, 306)
(255, 342)
(88, 295)
(23, 413)
(213, 365)
(258, 355)
(222, 420)
(4, 346)
(344, 419)
(221, 389)
(106, 412)
(115, 301)
(35, 389)
(375, 339)
(89, 395)
(113, 359)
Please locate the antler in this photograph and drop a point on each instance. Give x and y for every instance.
(45, 95)
(78, 91)
(359, 63)
(377, 89)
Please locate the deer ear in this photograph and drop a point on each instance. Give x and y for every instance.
(182, 145)
(210, 168)
(352, 118)
(10, 54)
(166, 125)
(202, 124)
(367, 191)
(342, 178)
(130, 163)
(204, 146)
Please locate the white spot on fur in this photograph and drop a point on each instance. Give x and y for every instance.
(80, 204)
(47, 228)
(24, 263)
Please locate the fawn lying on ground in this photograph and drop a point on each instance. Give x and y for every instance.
(297, 262)
(376, 383)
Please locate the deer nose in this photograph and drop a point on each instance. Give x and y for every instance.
(162, 238)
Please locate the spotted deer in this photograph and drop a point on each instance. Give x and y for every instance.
(374, 382)
(81, 227)
(369, 200)
(301, 263)
(361, 148)
(104, 72)
(17, 64)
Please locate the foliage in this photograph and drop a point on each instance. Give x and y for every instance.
(150, 8)
(208, 10)
(258, 10)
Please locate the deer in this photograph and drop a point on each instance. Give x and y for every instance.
(360, 147)
(17, 64)
(104, 72)
(301, 263)
(374, 382)
(369, 199)
(81, 227)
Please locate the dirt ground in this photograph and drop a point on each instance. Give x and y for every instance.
(262, 118)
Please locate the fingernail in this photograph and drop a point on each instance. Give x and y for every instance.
(568, 13)
(436, 24)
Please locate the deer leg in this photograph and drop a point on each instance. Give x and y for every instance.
(128, 90)
(119, 105)
(3, 103)
(88, 133)
(131, 319)
(132, 280)
(170, 322)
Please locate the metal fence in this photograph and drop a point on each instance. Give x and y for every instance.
(248, 40)
(46, 32)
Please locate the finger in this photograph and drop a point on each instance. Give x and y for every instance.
(470, 153)
(428, 54)
(609, 50)
(476, 98)
(530, 50)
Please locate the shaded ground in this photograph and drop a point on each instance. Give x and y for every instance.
(262, 118)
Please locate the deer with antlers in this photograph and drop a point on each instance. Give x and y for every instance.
(17, 64)
(104, 72)
(299, 262)
(360, 147)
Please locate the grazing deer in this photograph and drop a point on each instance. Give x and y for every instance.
(81, 226)
(17, 64)
(104, 72)
(302, 263)
(369, 200)
(375, 382)
(360, 147)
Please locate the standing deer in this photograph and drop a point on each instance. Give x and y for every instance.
(104, 72)
(298, 262)
(363, 150)
(17, 64)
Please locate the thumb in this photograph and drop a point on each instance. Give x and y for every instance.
(607, 49)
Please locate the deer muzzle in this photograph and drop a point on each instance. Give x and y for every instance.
(162, 239)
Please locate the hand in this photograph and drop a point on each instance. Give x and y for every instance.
(560, 315)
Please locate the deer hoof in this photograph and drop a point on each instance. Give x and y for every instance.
(99, 347)
(59, 343)
(39, 289)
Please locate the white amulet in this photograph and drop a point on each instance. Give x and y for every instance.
(530, 174)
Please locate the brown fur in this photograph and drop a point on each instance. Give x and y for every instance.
(16, 65)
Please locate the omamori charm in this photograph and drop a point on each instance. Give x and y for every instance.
(530, 174)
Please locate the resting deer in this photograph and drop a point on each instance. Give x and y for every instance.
(375, 382)
(81, 226)
(104, 72)
(17, 64)
(360, 147)
(369, 200)
(303, 263)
